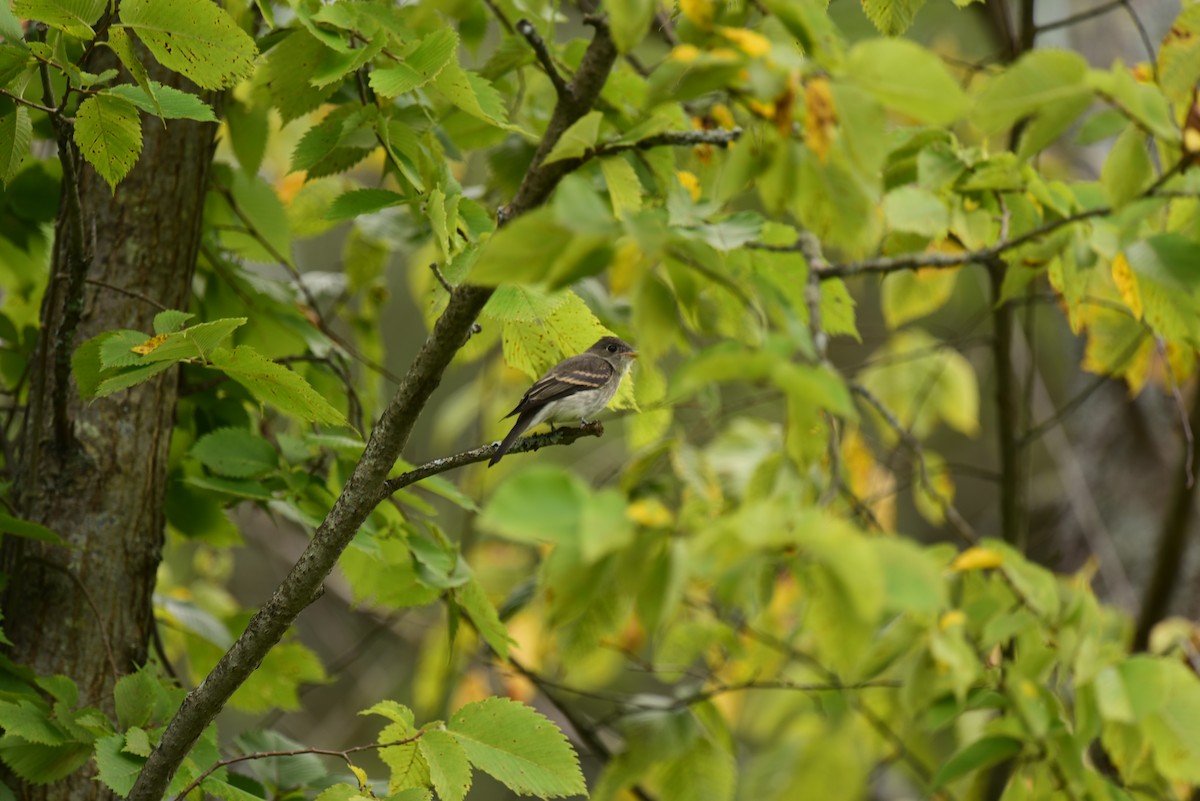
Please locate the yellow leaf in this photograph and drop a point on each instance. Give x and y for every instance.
(626, 267)
(149, 345)
(820, 117)
(751, 43)
(650, 513)
(722, 116)
(955, 617)
(361, 775)
(871, 482)
(977, 558)
(1127, 285)
(685, 53)
(700, 12)
(689, 182)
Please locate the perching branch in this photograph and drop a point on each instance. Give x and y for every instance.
(1008, 414)
(344, 754)
(526, 29)
(559, 436)
(363, 490)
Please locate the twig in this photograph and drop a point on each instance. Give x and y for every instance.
(344, 754)
(960, 525)
(1144, 35)
(1184, 423)
(361, 492)
(1008, 413)
(27, 103)
(526, 29)
(810, 246)
(1074, 19)
(559, 436)
(121, 290)
(441, 278)
(500, 15)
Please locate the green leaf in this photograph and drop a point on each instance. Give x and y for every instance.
(27, 529)
(73, 17)
(449, 770)
(195, 342)
(892, 17)
(624, 188)
(128, 378)
(42, 764)
(171, 320)
(519, 747)
(135, 695)
(236, 488)
(472, 93)
(1127, 170)
(198, 40)
(16, 132)
(117, 769)
(907, 78)
(538, 504)
(275, 384)
(86, 367)
(1040, 80)
(910, 294)
(235, 452)
(577, 140)
(137, 742)
(362, 201)
(265, 215)
(108, 131)
(916, 211)
(983, 753)
(419, 67)
(166, 102)
(537, 248)
(29, 722)
(629, 21)
(482, 612)
(913, 578)
(288, 69)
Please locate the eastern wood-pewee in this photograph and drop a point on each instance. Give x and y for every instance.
(574, 389)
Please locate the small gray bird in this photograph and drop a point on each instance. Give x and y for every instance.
(574, 389)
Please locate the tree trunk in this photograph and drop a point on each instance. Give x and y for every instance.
(86, 611)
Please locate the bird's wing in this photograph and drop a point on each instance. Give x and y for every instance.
(576, 374)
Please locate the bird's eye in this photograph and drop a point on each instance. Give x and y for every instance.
(612, 348)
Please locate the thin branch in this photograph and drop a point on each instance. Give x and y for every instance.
(559, 436)
(1184, 424)
(526, 29)
(319, 318)
(344, 754)
(362, 491)
(1008, 413)
(959, 523)
(123, 291)
(810, 246)
(1075, 19)
(721, 137)
(27, 103)
(1144, 35)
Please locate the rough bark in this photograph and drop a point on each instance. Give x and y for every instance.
(86, 611)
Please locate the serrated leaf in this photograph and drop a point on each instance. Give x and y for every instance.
(73, 17)
(449, 770)
(170, 320)
(121, 43)
(472, 93)
(135, 696)
(907, 78)
(30, 722)
(86, 367)
(419, 67)
(195, 342)
(42, 764)
(130, 377)
(1179, 56)
(27, 529)
(16, 132)
(235, 452)
(165, 101)
(362, 201)
(137, 742)
(198, 40)
(519, 747)
(276, 385)
(233, 487)
(892, 17)
(335, 65)
(287, 72)
(516, 302)
(577, 140)
(483, 615)
(624, 188)
(108, 131)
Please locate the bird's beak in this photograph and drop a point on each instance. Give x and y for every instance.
(632, 354)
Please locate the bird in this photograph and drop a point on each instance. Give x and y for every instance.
(574, 389)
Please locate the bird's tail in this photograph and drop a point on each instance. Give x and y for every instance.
(517, 430)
